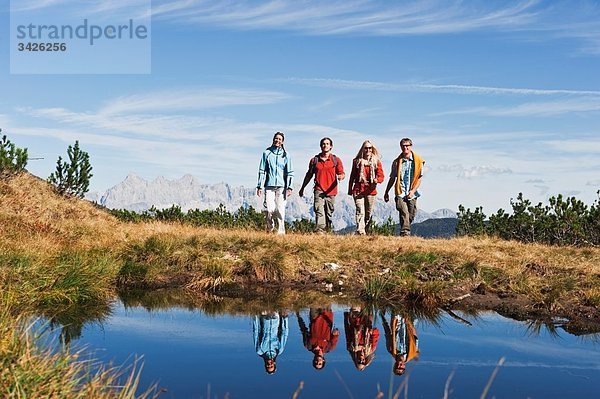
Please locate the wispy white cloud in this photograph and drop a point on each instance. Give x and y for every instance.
(191, 99)
(315, 107)
(80, 8)
(582, 25)
(535, 348)
(174, 140)
(176, 324)
(365, 113)
(424, 17)
(353, 17)
(472, 172)
(164, 154)
(164, 126)
(539, 109)
(465, 89)
(155, 115)
(593, 183)
(30, 5)
(579, 144)
(179, 127)
(545, 20)
(325, 18)
(106, 140)
(437, 88)
(454, 362)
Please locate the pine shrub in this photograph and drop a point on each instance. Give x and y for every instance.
(12, 158)
(72, 178)
(564, 221)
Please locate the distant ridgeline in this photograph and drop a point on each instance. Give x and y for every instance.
(139, 195)
(252, 219)
(564, 221)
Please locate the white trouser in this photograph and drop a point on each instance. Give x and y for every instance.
(275, 208)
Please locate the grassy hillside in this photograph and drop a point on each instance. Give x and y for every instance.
(56, 251)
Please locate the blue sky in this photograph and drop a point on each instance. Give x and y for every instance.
(499, 97)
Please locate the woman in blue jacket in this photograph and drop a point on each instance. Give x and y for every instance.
(276, 175)
(270, 332)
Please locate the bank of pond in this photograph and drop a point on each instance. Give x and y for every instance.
(281, 345)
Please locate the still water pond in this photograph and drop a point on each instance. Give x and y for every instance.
(195, 354)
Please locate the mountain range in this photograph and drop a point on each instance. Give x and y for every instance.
(137, 194)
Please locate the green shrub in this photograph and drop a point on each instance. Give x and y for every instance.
(302, 226)
(129, 216)
(73, 178)
(12, 158)
(470, 223)
(565, 221)
(247, 218)
(387, 228)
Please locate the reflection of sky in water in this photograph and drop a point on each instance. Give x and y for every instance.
(192, 354)
(495, 334)
(173, 325)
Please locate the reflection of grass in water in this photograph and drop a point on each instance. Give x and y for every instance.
(403, 287)
(249, 301)
(27, 370)
(403, 387)
(492, 378)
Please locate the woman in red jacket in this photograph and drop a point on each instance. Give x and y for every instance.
(366, 173)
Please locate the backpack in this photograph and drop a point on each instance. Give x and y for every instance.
(313, 163)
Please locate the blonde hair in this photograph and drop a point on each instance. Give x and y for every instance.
(374, 153)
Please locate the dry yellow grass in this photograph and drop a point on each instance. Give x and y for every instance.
(56, 251)
(34, 220)
(33, 217)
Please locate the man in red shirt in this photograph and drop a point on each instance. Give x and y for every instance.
(320, 337)
(327, 169)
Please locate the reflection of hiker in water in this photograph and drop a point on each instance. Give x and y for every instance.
(320, 337)
(401, 340)
(361, 337)
(270, 331)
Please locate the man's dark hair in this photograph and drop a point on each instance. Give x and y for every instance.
(325, 138)
(314, 363)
